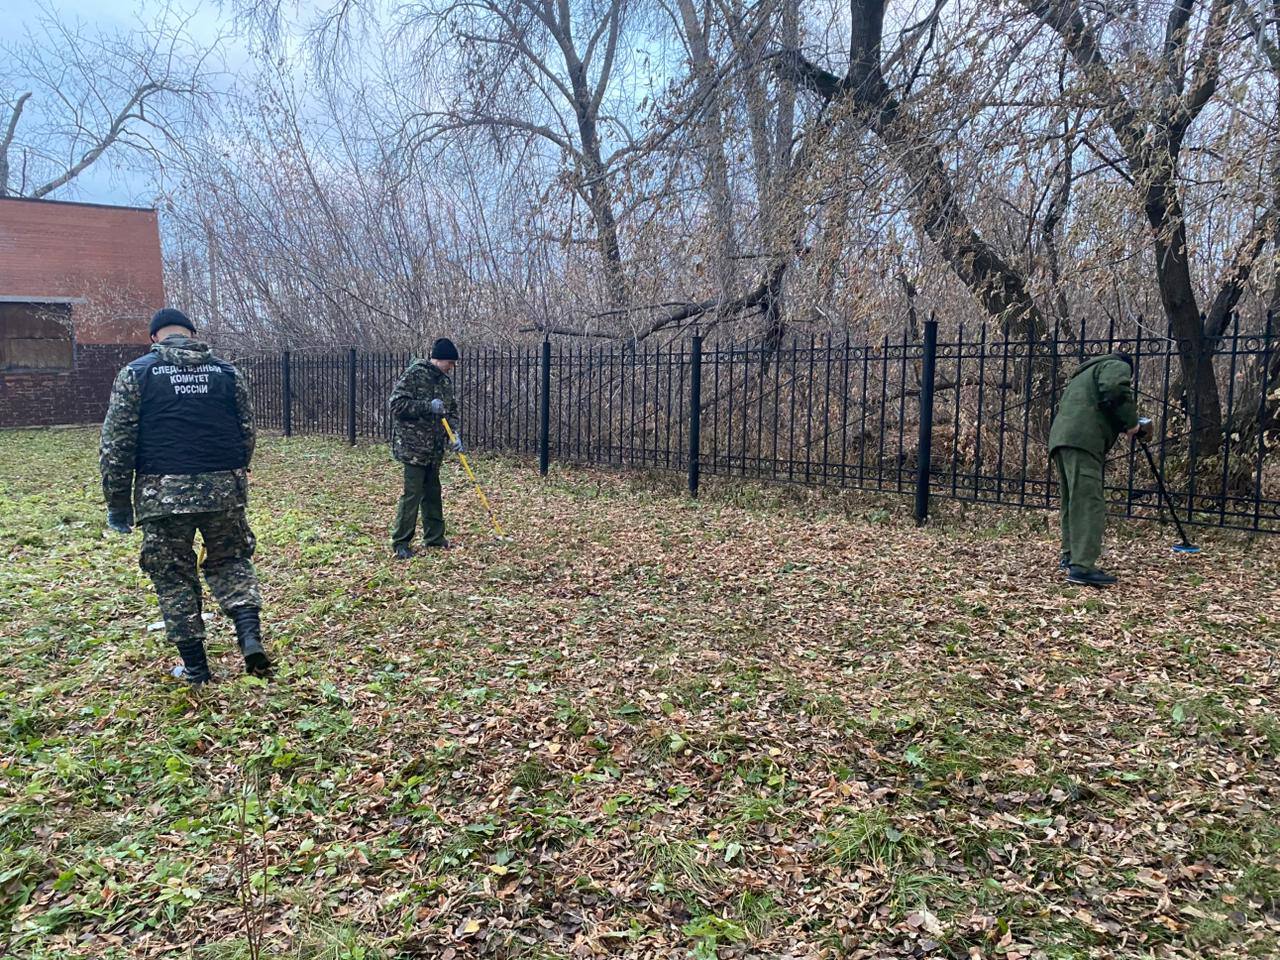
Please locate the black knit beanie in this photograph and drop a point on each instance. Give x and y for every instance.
(169, 317)
(443, 349)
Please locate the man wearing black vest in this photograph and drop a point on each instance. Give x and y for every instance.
(176, 446)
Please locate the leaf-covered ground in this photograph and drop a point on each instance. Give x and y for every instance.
(767, 724)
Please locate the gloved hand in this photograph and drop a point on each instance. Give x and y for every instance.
(120, 519)
(457, 444)
(437, 407)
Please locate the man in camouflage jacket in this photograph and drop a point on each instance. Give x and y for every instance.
(176, 446)
(421, 397)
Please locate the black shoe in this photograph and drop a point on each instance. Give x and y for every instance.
(249, 636)
(439, 545)
(1065, 563)
(1090, 578)
(195, 666)
(403, 552)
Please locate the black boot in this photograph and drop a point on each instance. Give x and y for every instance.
(195, 667)
(1064, 563)
(249, 636)
(1089, 578)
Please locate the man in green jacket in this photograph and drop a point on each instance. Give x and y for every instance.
(1097, 407)
(421, 397)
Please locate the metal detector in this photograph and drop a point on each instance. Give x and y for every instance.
(497, 527)
(1186, 546)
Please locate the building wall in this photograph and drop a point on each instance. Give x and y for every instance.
(105, 258)
(78, 395)
(106, 262)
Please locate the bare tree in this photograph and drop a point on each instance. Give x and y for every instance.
(695, 27)
(950, 155)
(69, 95)
(864, 92)
(541, 68)
(769, 119)
(1260, 407)
(1151, 130)
(316, 228)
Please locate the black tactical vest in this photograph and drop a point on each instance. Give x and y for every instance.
(188, 421)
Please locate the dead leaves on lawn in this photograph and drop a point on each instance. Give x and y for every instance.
(647, 729)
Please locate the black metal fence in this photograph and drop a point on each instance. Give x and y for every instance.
(964, 417)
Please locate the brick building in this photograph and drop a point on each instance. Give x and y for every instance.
(77, 284)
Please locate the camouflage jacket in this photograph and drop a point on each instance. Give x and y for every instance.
(417, 435)
(164, 494)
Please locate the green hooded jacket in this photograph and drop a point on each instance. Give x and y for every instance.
(1097, 406)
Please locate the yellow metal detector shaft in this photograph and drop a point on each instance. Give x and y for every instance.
(453, 438)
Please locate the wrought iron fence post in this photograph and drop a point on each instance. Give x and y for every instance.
(544, 411)
(695, 414)
(1265, 359)
(351, 396)
(286, 393)
(924, 449)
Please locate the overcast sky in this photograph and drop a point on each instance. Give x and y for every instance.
(106, 181)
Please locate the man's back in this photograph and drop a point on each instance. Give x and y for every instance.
(188, 417)
(179, 429)
(1096, 406)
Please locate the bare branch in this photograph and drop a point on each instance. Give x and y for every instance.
(614, 19)
(1233, 284)
(126, 92)
(458, 121)
(1208, 66)
(11, 128)
(1065, 19)
(104, 142)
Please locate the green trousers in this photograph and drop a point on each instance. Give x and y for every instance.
(421, 491)
(1083, 507)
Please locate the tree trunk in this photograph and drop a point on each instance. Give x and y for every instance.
(1051, 229)
(597, 192)
(1258, 404)
(785, 131)
(773, 172)
(1202, 403)
(711, 133)
(1151, 140)
(996, 284)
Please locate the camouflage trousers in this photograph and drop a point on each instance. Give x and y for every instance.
(170, 560)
